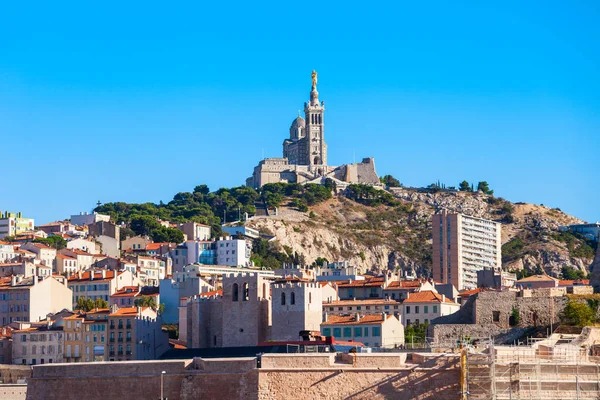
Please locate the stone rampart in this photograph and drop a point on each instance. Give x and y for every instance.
(13, 392)
(14, 373)
(299, 376)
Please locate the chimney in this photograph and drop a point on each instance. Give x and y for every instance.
(79, 274)
(325, 317)
(13, 280)
(103, 274)
(35, 279)
(386, 280)
(92, 274)
(407, 294)
(443, 298)
(357, 317)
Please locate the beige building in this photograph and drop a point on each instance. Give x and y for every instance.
(463, 245)
(26, 269)
(136, 243)
(379, 330)
(134, 333)
(43, 253)
(422, 307)
(66, 264)
(152, 268)
(195, 231)
(73, 338)
(363, 307)
(85, 260)
(32, 299)
(296, 307)
(99, 284)
(87, 245)
(40, 343)
(7, 252)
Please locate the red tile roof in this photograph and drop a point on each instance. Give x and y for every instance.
(127, 311)
(395, 285)
(426, 296)
(351, 319)
(377, 302)
(85, 276)
(576, 282)
(367, 282)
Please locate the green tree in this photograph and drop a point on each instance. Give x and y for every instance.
(464, 186)
(390, 181)
(56, 242)
(484, 187)
(86, 304)
(320, 261)
(149, 301)
(572, 273)
(578, 314)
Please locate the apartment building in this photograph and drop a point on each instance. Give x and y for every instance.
(26, 269)
(99, 284)
(84, 218)
(66, 264)
(423, 307)
(380, 330)
(154, 269)
(195, 231)
(43, 253)
(233, 252)
(363, 307)
(40, 343)
(32, 299)
(7, 252)
(13, 224)
(135, 334)
(463, 245)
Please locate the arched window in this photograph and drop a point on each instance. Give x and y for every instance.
(293, 298)
(246, 291)
(283, 299)
(235, 294)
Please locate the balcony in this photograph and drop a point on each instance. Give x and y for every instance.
(120, 352)
(120, 339)
(112, 326)
(128, 353)
(112, 340)
(111, 353)
(120, 326)
(128, 339)
(128, 326)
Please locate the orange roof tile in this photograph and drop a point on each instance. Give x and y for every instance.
(127, 311)
(85, 276)
(426, 296)
(351, 319)
(575, 282)
(377, 302)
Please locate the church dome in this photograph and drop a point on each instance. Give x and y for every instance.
(298, 122)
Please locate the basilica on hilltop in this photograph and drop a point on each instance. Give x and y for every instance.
(305, 154)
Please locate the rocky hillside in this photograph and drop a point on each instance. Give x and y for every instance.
(398, 236)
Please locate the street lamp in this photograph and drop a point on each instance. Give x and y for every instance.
(162, 385)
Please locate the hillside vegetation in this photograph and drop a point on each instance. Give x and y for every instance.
(372, 228)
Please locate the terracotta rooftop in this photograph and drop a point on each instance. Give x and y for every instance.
(467, 293)
(426, 296)
(367, 282)
(395, 285)
(576, 282)
(351, 319)
(377, 302)
(131, 311)
(65, 257)
(85, 276)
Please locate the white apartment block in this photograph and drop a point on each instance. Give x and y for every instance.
(12, 224)
(85, 218)
(463, 245)
(233, 252)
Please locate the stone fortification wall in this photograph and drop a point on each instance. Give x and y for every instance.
(13, 373)
(13, 392)
(448, 334)
(301, 376)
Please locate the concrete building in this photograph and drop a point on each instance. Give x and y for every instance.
(305, 153)
(85, 218)
(296, 306)
(590, 231)
(99, 284)
(135, 243)
(381, 330)
(233, 252)
(31, 299)
(195, 231)
(154, 269)
(337, 271)
(241, 230)
(25, 269)
(13, 224)
(35, 344)
(6, 341)
(363, 307)
(134, 333)
(43, 253)
(491, 278)
(7, 252)
(87, 245)
(422, 307)
(66, 265)
(185, 284)
(57, 227)
(85, 260)
(463, 245)
(108, 235)
(203, 252)
(126, 296)
(537, 282)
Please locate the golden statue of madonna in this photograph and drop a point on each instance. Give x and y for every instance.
(314, 78)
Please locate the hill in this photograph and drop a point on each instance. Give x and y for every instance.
(374, 229)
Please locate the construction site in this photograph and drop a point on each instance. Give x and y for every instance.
(562, 366)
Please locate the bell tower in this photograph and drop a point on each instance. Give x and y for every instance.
(316, 149)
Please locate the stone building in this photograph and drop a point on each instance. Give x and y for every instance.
(240, 317)
(305, 153)
(39, 343)
(296, 306)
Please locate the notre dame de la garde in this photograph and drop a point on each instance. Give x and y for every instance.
(305, 154)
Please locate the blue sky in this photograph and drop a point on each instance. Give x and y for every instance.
(126, 101)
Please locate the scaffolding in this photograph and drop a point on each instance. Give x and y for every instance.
(533, 373)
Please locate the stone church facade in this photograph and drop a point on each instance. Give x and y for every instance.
(305, 154)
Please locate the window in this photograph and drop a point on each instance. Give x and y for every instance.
(358, 331)
(435, 309)
(337, 332)
(496, 316)
(283, 299)
(366, 332)
(292, 298)
(235, 293)
(416, 309)
(358, 308)
(408, 322)
(246, 291)
(425, 309)
(408, 309)
(376, 331)
(347, 332)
